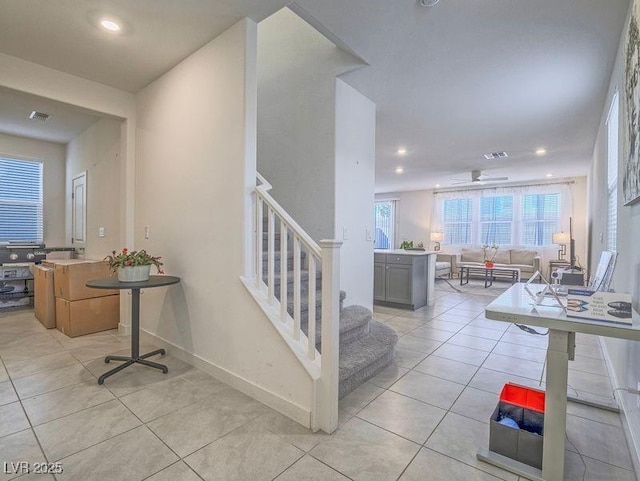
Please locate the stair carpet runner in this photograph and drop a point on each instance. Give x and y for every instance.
(366, 345)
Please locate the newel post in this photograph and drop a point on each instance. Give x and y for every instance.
(328, 409)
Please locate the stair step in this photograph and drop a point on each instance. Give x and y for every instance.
(365, 357)
(354, 323)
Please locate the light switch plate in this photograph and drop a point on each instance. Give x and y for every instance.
(101, 232)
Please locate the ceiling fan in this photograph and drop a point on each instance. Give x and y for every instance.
(477, 177)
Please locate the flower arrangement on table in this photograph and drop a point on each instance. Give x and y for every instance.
(490, 252)
(133, 266)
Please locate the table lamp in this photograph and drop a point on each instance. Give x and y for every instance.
(562, 239)
(436, 237)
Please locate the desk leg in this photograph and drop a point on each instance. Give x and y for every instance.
(555, 408)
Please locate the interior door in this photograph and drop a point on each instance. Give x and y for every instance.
(79, 208)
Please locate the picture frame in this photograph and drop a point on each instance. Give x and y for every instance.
(631, 127)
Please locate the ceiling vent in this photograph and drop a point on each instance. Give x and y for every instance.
(35, 115)
(496, 155)
(428, 3)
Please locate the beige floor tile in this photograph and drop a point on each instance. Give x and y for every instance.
(193, 427)
(46, 381)
(176, 472)
(7, 393)
(447, 369)
(521, 352)
(587, 469)
(68, 435)
(364, 452)
(69, 400)
(513, 365)
(389, 375)
(446, 439)
(17, 447)
(403, 325)
(461, 354)
(418, 344)
(28, 367)
(429, 465)
(403, 416)
(288, 430)
(4, 377)
(599, 441)
(134, 455)
(444, 325)
(589, 364)
(482, 332)
(309, 469)
(591, 383)
(407, 358)
(493, 381)
(431, 333)
(161, 399)
(476, 404)
(473, 342)
(360, 397)
(244, 455)
(433, 390)
(12, 419)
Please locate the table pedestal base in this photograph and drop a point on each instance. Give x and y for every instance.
(128, 361)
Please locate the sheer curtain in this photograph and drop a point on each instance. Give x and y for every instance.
(491, 211)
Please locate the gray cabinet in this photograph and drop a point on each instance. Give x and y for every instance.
(400, 280)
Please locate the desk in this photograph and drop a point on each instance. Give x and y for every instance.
(113, 283)
(515, 306)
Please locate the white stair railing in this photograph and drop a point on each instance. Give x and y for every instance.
(284, 236)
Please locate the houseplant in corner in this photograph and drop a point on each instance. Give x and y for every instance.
(133, 266)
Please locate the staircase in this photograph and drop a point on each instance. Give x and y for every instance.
(366, 345)
(296, 282)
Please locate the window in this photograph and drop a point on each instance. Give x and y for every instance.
(457, 221)
(496, 218)
(385, 215)
(20, 200)
(612, 174)
(540, 218)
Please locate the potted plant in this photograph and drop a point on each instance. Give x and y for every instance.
(489, 255)
(133, 266)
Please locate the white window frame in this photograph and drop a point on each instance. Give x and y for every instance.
(612, 124)
(392, 223)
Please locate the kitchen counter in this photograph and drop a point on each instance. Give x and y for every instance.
(404, 278)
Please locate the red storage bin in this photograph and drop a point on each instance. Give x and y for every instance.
(523, 396)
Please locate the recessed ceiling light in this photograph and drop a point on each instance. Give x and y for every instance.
(110, 25)
(402, 151)
(541, 151)
(437, 185)
(399, 170)
(549, 175)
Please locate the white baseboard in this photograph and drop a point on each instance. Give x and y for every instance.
(274, 401)
(632, 441)
(124, 329)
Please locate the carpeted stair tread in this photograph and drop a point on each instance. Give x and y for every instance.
(354, 323)
(367, 356)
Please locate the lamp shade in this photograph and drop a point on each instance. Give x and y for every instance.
(437, 236)
(561, 238)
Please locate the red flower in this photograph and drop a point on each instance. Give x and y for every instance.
(124, 251)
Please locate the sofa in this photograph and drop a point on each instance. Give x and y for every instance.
(528, 261)
(444, 263)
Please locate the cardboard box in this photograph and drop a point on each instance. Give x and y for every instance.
(86, 316)
(44, 299)
(600, 306)
(71, 276)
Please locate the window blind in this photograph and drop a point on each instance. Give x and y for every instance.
(21, 217)
(612, 175)
(457, 221)
(496, 218)
(540, 218)
(384, 212)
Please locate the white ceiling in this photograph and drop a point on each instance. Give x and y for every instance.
(451, 82)
(464, 78)
(65, 122)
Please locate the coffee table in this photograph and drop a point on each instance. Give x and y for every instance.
(490, 274)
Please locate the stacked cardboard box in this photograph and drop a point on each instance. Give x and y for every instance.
(80, 310)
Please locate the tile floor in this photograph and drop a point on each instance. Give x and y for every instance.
(421, 419)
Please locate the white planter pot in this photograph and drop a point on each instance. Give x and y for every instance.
(134, 273)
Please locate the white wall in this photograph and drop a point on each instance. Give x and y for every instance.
(52, 156)
(624, 355)
(354, 186)
(195, 167)
(297, 67)
(97, 152)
